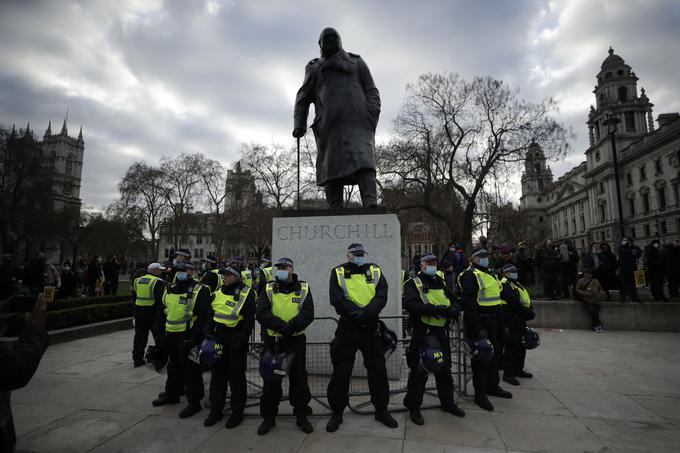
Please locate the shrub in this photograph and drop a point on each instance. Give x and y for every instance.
(88, 314)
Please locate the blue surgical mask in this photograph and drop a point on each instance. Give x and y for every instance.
(282, 275)
(359, 260)
(430, 270)
(182, 276)
(484, 262)
(513, 276)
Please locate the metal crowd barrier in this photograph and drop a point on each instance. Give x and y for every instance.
(318, 357)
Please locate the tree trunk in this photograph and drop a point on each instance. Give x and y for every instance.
(467, 225)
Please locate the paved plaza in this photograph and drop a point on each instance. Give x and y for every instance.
(617, 391)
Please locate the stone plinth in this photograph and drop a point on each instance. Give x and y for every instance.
(317, 243)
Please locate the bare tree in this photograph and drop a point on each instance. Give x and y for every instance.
(214, 180)
(141, 191)
(451, 134)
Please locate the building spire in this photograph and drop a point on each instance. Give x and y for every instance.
(27, 133)
(80, 134)
(48, 132)
(64, 129)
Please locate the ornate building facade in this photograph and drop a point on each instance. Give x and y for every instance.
(582, 204)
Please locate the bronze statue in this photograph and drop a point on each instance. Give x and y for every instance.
(347, 106)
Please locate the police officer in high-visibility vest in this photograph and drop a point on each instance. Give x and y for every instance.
(264, 275)
(186, 305)
(230, 320)
(181, 256)
(358, 291)
(431, 307)
(211, 276)
(481, 303)
(517, 311)
(284, 309)
(246, 274)
(147, 293)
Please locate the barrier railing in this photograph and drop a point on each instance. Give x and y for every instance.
(318, 358)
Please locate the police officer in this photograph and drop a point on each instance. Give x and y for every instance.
(230, 320)
(186, 304)
(481, 303)
(147, 293)
(264, 275)
(517, 311)
(285, 309)
(181, 256)
(430, 306)
(246, 274)
(211, 276)
(358, 291)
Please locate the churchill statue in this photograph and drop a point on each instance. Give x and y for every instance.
(347, 106)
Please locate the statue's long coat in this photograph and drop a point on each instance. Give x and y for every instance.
(347, 106)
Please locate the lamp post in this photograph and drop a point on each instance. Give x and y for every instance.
(611, 122)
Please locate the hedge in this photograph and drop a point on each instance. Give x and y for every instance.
(65, 304)
(88, 314)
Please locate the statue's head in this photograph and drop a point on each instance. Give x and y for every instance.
(329, 42)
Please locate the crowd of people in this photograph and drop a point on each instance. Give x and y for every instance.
(86, 277)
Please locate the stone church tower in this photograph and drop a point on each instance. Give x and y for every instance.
(65, 155)
(536, 182)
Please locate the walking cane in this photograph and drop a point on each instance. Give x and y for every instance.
(298, 173)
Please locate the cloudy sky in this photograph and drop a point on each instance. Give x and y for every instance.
(152, 78)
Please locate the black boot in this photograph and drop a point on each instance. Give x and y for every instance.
(138, 363)
(524, 374)
(510, 379)
(416, 417)
(334, 423)
(304, 424)
(265, 426)
(213, 418)
(454, 409)
(190, 410)
(163, 400)
(482, 401)
(499, 392)
(386, 419)
(234, 421)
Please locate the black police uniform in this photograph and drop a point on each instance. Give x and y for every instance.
(232, 368)
(146, 321)
(185, 375)
(299, 394)
(357, 332)
(515, 317)
(476, 318)
(416, 307)
(210, 279)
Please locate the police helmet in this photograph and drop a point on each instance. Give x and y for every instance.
(155, 358)
(431, 355)
(389, 339)
(273, 366)
(481, 349)
(211, 352)
(531, 339)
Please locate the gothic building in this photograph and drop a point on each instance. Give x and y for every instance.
(65, 156)
(582, 204)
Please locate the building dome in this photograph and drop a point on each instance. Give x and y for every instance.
(612, 60)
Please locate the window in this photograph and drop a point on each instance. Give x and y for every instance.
(631, 206)
(603, 214)
(629, 178)
(539, 199)
(629, 118)
(199, 239)
(69, 165)
(645, 203)
(167, 253)
(573, 224)
(608, 75)
(661, 197)
(601, 187)
(632, 232)
(676, 193)
(664, 228)
(657, 166)
(597, 156)
(643, 173)
(195, 252)
(540, 219)
(200, 253)
(647, 233)
(583, 224)
(623, 93)
(68, 188)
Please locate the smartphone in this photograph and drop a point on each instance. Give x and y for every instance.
(48, 294)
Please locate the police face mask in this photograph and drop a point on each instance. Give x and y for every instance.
(182, 276)
(513, 276)
(282, 275)
(430, 270)
(359, 260)
(484, 262)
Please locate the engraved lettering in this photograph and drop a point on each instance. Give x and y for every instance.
(337, 234)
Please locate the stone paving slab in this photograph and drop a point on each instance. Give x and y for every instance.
(616, 391)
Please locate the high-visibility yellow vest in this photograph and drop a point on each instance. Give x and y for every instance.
(489, 292)
(436, 297)
(286, 306)
(440, 273)
(227, 307)
(179, 309)
(523, 293)
(220, 280)
(267, 271)
(144, 290)
(247, 277)
(359, 288)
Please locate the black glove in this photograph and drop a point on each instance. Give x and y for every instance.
(441, 311)
(453, 312)
(531, 315)
(358, 316)
(286, 330)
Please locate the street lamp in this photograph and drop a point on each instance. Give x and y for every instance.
(611, 122)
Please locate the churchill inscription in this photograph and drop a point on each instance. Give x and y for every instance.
(323, 232)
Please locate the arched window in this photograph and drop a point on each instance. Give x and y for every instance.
(68, 168)
(537, 168)
(623, 93)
